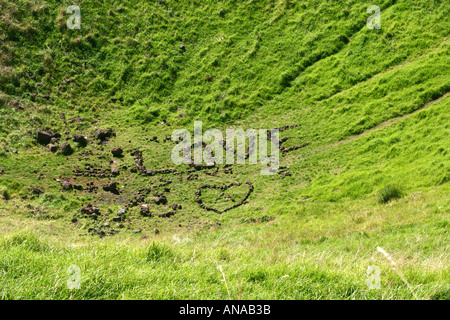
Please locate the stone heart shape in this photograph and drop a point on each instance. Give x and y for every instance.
(223, 195)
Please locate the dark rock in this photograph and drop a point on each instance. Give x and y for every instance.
(66, 149)
(95, 210)
(81, 140)
(104, 135)
(114, 170)
(117, 152)
(37, 190)
(160, 200)
(44, 137)
(156, 231)
(87, 209)
(66, 185)
(76, 120)
(77, 186)
(145, 211)
(111, 187)
(52, 147)
(166, 214)
(54, 140)
(91, 211)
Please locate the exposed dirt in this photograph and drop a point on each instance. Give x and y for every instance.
(151, 200)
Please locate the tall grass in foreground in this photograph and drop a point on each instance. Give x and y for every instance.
(279, 259)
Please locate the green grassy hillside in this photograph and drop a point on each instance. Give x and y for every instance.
(373, 109)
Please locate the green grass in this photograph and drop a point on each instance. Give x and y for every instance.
(388, 193)
(320, 251)
(374, 109)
